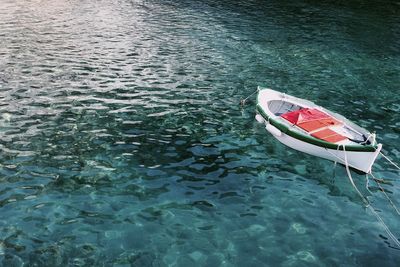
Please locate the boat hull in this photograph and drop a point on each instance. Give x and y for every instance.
(359, 160)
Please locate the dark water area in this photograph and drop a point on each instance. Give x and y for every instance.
(122, 141)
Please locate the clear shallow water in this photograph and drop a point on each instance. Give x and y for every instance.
(122, 141)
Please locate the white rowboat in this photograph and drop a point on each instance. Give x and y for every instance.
(309, 128)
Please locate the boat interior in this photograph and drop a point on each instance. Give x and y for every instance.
(279, 107)
(329, 128)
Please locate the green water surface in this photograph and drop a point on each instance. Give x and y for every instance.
(122, 141)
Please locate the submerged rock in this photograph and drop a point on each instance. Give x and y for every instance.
(299, 228)
(255, 229)
(197, 256)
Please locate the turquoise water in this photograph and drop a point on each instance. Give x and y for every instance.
(123, 142)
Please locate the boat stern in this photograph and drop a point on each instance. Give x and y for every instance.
(373, 157)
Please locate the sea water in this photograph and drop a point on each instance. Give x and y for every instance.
(123, 143)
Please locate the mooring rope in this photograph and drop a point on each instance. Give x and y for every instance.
(365, 200)
(368, 204)
(384, 192)
(394, 164)
(367, 184)
(387, 230)
(243, 101)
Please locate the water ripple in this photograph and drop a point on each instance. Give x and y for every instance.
(122, 141)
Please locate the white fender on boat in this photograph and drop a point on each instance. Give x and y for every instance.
(273, 130)
(260, 118)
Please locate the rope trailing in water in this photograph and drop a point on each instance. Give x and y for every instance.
(384, 192)
(368, 204)
(364, 199)
(394, 164)
(378, 182)
(243, 101)
(367, 184)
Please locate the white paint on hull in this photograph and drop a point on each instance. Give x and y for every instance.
(359, 160)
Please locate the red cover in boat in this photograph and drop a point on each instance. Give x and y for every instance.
(310, 119)
(329, 136)
(304, 115)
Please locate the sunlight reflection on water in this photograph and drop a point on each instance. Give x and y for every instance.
(122, 139)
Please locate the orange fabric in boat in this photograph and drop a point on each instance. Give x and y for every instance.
(310, 119)
(329, 136)
(317, 124)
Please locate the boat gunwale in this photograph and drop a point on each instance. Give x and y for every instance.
(310, 139)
